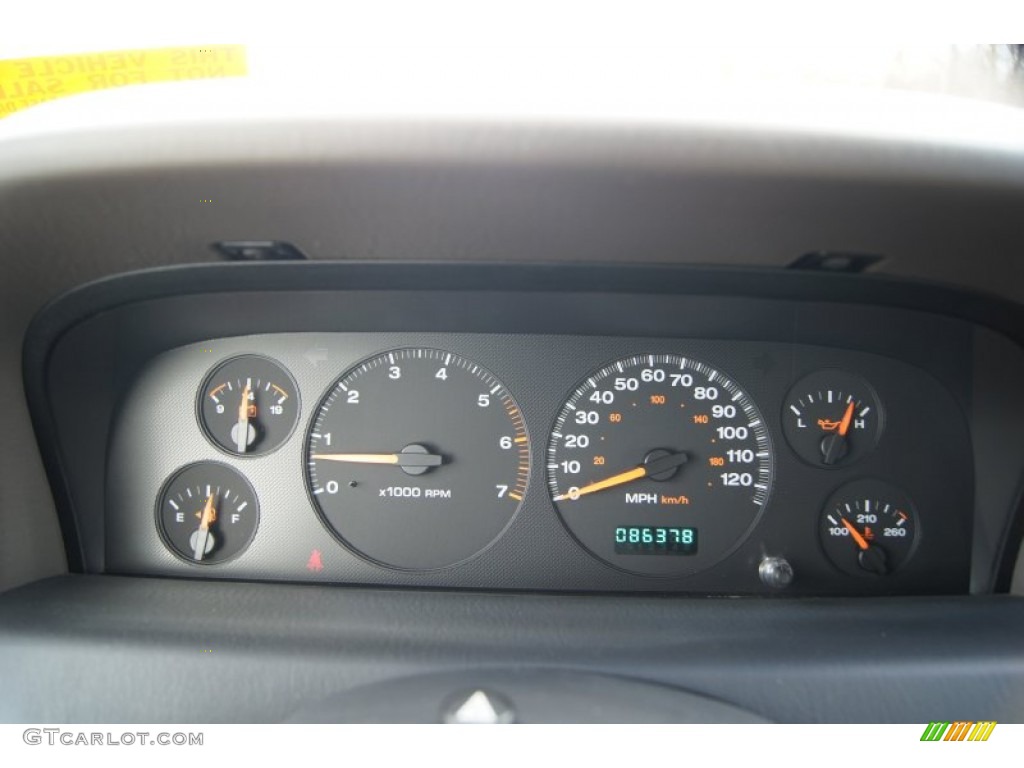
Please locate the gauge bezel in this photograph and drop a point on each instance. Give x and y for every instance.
(208, 378)
(162, 495)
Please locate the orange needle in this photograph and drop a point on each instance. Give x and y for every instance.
(242, 434)
(401, 459)
(209, 516)
(608, 482)
(844, 425)
(861, 541)
(358, 458)
(206, 519)
(668, 462)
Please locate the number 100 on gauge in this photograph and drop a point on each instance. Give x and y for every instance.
(657, 452)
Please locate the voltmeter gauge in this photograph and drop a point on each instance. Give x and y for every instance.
(832, 418)
(869, 527)
(248, 405)
(207, 513)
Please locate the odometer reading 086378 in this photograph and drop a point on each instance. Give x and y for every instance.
(646, 540)
(651, 449)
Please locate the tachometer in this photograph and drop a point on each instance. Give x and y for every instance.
(418, 458)
(659, 464)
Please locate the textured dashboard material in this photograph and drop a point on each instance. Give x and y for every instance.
(190, 651)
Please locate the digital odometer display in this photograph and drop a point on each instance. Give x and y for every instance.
(647, 540)
(656, 443)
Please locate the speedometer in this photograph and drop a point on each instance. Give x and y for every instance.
(659, 464)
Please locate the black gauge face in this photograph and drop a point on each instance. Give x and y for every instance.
(248, 405)
(659, 464)
(418, 458)
(868, 528)
(207, 513)
(832, 418)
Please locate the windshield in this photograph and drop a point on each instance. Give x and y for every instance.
(537, 80)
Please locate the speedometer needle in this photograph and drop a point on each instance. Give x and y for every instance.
(397, 459)
(655, 467)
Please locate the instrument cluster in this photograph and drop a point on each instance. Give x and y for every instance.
(541, 462)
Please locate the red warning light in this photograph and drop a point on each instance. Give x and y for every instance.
(316, 562)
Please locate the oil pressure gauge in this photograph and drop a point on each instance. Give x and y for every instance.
(832, 418)
(248, 405)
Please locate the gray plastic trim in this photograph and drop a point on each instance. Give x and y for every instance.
(93, 649)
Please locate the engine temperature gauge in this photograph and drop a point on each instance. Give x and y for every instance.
(832, 418)
(868, 528)
(248, 405)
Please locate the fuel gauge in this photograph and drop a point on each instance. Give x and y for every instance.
(248, 405)
(207, 513)
(832, 418)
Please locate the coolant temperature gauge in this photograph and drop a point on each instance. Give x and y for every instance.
(832, 418)
(868, 528)
(248, 405)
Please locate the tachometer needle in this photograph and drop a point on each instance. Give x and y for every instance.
(397, 459)
(857, 537)
(207, 517)
(242, 431)
(656, 467)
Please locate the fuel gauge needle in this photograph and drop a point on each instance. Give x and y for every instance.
(242, 430)
(207, 517)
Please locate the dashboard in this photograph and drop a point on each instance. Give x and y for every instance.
(551, 408)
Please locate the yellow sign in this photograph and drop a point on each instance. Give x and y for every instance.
(25, 82)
